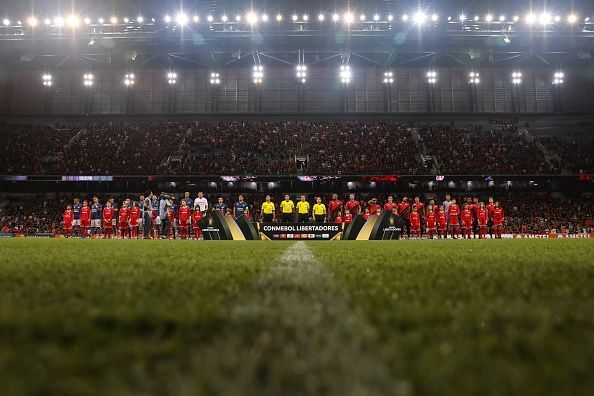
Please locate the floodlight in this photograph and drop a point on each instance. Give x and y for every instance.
(252, 18)
(47, 80)
(489, 18)
(335, 17)
(237, 18)
(47, 21)
(59, 21)
(432, 77)
(572, 18)
(434, 17)
(264, 18)
(87, 21)
(113, 20)
(214, 78)
(474, 78)
(516, 78)
(294, 18)
(129, 79)
(279, 17)
(306, 17)
(6, 22)
(462, 17)
(558, 78)
(196, 18)
(376, 17)
(557, 18)
(88, 80)
(126, 20)
(501, 18)
(476, 18)
(224, 18)
(321, 17)
(516, 18)
(419, 18)
(258, 74)
(345, 74)
(362, 17)
(388, 77)
(172, 78)
(73, 21)
(32, 21)
(167, 19)
(530, 18)
(348, 18)
(181, 19)
(101, 21)
(209, 18)
(140, 19)
(302, 73)
(390, 17)
(545, 18)
(405, 17)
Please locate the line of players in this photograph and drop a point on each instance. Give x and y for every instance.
(149, 218)
(473, 219)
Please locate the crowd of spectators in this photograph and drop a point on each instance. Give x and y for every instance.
(240, 148)
(460, 151)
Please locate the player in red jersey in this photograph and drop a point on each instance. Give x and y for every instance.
(184, 218)
(454, 221)
(348, 217)
(107, 216)
(490, 208)
(367, 214)
(474, 206)
(390, 204)
(482, 218)
(353, 205)
(196, 217)
(498, 217)
(85, 218)
(338, 218)
(415, 223)
(404, 211)
(124, 217)
(466, 221)
(442, 222)
(372, 205)
(420, 210)
(134, 217)
(431, 220)
(334, 207)
(68, 219)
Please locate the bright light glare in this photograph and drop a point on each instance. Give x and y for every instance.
(181, 19)
(321, 17)
(376, 17)
(335, 17)
(258, 74)
(348, 18)
(530, 18)
(489, 18)
(572, 18)
(252, 18)
(32, 21)
(279, 17)
(214, 78)
(434, 17)
(345, 74)
(431, 77)
(419, 18)
(6, 22)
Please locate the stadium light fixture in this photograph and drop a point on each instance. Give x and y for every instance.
(264, 17)
(587, 19)
(237, 18)
(73, 21)
(419, 18)
(431, 76)
(405, 17)
(321, 17)
(47, 80)
(87, 21)
(294, 17)
(390, 17)
(126, 20)
(196, 18)
(516, 18)
(172, 78)
(477, 18)
(345, 74)
(489, 18)
(215, 78)
(32, 21)
(462, 17)
(6, 21)
(209, 18)
(47, 21)
(302, 73)
(376, 17)
(434, 17)
(516, 78)
(530, 18)
(252, 18)
(224, 18)
(335, 17)
(101, 21)
(258, 74)
(362, 17)
(279, 17)
(88, 80)
(558, 78)
(140, 19)
(348, 18)
(181, 19)
(474, 78)
(388, 77)
(557, 18)
(129, 80)
(167, 19)
(545, 18)
(572, 18)
(59, 21)
(305, 17)
(501, 18)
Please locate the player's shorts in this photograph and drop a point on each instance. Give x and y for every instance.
(124, 225)
(183, 223)
(497, 223)
(467, 224)
(96, 223)
(76, 222)
(430, 227)
(84, 223)
(133, 222)
(267, 218)
(483, 224)
(157, 220)
(68, 226)
(453, 221)
(415, 227)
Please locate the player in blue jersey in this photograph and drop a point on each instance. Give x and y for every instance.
(76, 211)
(221, 206)
(240, 207)
(114, 222)
(96, 209)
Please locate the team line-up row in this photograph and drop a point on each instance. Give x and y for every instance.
(161, 217)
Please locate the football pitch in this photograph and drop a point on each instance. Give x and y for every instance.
(127, 317)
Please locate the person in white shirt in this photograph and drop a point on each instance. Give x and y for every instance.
(201, 202)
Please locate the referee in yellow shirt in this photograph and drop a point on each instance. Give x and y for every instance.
(287, 209)
(302, 210)
(268, 210)
(319, 210)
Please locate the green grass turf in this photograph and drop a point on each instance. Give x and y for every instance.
(118, 317)
(477, 317)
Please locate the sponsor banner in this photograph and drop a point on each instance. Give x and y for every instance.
(300, 231)
(535, 236)
(6, 235)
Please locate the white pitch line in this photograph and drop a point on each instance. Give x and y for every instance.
(294, 334)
